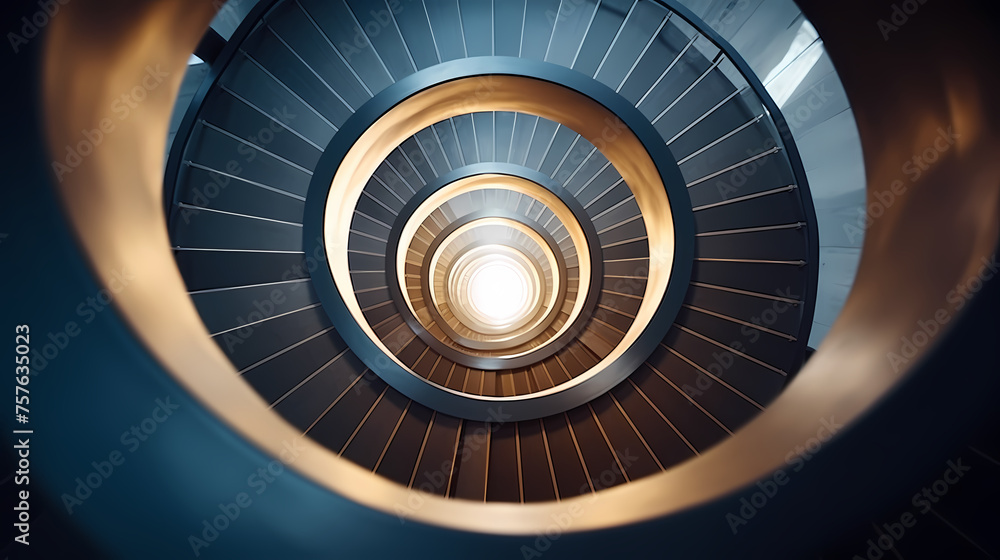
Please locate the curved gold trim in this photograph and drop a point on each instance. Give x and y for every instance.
(516, 184)
(516, 94)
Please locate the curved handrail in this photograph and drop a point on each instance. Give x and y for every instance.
(849, 373)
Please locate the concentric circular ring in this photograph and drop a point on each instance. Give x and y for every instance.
(580, 230)
(544, 90)
(498, 287)
(585, 256)
(548, 264)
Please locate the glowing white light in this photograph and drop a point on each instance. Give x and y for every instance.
(498, 292)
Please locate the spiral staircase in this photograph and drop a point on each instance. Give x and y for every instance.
(346, 182)
(753, 243)
(501, 412)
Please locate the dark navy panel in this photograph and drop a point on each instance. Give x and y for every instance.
(774, 209)
(754, 380)
(400, 459)
(248, 346)
(370, 442)
(307, 404)
(764, 278)
(267, 131)
(337, 21)
(720, 401)
(747, 308)
(571, 27)
(250, 82)
(416, 32)
(607, 21)
(268, 50)
(221, 152)
(210, 189)
(294, 27)
(203, 270)
(381, 32)
(477, 26)
(230, 308)
(765, 346)
(434, 471)
(776, 245)
(636, 32)
(535, 470)
(446, 24)
(281, 374)
(632, 453)
(209, 229)
(697, 428)
(503, 482)
(668, 447)
(335, 428)
(570, 475)
(539, 19)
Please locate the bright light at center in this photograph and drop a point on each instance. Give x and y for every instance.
(498, 292)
